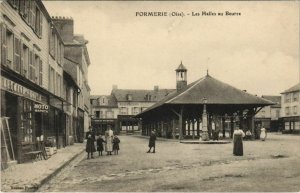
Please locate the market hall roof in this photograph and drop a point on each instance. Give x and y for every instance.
(215, 91)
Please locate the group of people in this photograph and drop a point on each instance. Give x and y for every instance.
(109, 144)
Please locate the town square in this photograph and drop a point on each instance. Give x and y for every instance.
(150, 96)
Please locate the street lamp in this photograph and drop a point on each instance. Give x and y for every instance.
(204, 122)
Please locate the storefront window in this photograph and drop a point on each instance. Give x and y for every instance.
(27, 121)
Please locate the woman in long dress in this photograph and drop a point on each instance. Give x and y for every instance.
(90, 146)
(263, 134)
(238, 142)
(108, 141)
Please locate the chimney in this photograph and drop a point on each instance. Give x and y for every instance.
(115, 87)
(245, 90)
(65, 27)
(156, 88)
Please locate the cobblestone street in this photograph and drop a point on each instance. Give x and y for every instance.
(272, 165)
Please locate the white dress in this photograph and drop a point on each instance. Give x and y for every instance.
(263, 134)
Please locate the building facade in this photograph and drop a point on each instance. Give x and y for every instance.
(104, 112)
(30, 100)
(76, 55)
(119, 108)
(42, 99)
(290, 109)
(269, 116)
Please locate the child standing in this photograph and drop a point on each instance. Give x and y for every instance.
(116, 142)
(100, 142)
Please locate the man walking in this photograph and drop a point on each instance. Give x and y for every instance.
(152, 142)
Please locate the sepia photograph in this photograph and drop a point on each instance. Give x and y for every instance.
(150, 96)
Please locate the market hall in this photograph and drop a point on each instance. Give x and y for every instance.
(205, 102)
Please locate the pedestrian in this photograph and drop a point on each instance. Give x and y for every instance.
(108, 140)
(152, 142)
(238, 135)
(90, 143)
(100, 142)
(248, 135)
(116, 146)
(263, 134)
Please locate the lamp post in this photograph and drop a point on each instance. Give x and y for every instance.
(204, 122)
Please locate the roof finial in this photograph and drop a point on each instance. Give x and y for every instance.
(207, 72)
(181, 62)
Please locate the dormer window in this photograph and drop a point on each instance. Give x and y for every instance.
(129, 97)
(148, 97)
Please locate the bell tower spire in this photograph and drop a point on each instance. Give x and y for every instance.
(181, 77)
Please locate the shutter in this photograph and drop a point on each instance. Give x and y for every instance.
(29, 17)
(21, 58)
(62, 54)
(32, 9)
(16, 65)
(22, 7)
(41, 24)
(36, 68)
(3, 45)
(41, 73)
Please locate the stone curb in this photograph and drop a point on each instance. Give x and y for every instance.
(56, 171)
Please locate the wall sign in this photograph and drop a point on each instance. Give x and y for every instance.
(41, 108)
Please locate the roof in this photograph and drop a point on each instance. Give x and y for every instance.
(215, 91)
(111, 100)
(275, 99)
(141, 95)
(181, 67)
(292, 89)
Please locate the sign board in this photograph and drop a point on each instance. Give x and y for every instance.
(41, 108)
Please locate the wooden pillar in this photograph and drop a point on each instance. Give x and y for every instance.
(193, 128)
(252, 126)
(180, 123)
(231, 126)
(223, 126)
(173, 129)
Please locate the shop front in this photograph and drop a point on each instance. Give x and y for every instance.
(22, 120)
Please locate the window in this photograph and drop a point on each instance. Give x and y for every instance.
(109, 114)
(123, 111)
(102, 116)
(287, 110)
(27, 121)
(295, 110)
(263, 113)
(14, 3)
(135, 110)
(277, 113)
(25, 60)
(295, 96)
(129, 97)
(97, 114)
(287, 98)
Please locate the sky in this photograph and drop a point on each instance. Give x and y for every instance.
(257, 51)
